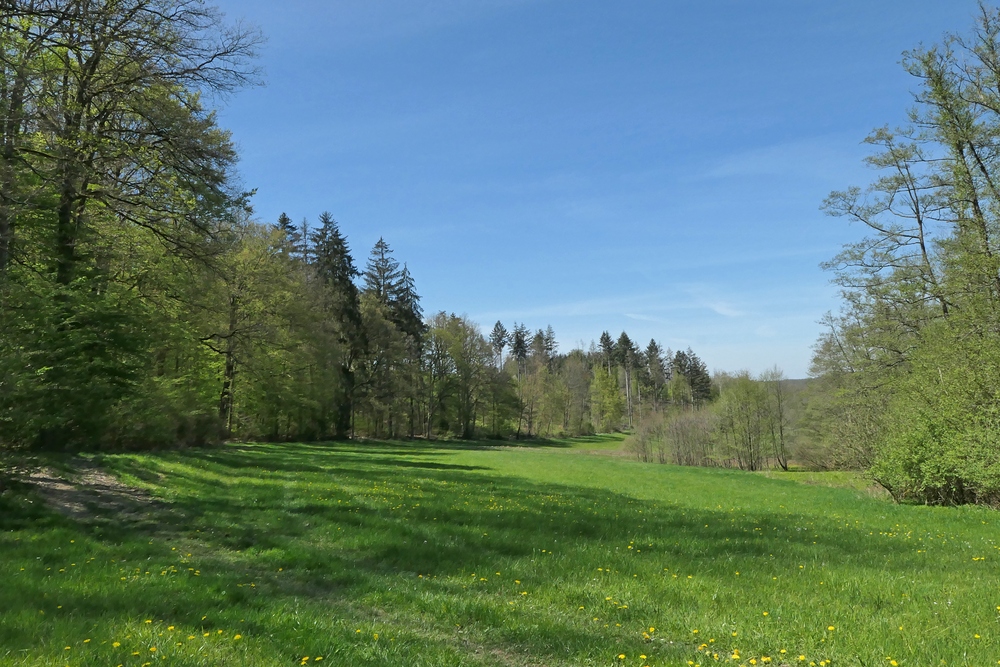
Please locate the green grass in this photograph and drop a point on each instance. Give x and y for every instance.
(414, 554)
(847, 479)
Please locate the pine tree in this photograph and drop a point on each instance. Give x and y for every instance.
(499, 339)
(404, 306)
(626, 356)
(335, 271)
(655, 369)
(550, 344)
(607, 349)
(519, 347)
(292, 235)
(382, 274)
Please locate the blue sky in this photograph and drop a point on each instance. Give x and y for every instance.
(649, 166)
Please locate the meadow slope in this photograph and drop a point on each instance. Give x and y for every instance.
(452, 554)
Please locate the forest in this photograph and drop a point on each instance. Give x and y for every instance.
(144, 305)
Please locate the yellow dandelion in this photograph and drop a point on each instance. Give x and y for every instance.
(238, 637)
(830, 628)
(621, 656)
(116, 644)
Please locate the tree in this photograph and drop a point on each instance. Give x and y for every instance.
(607, 349)
(911, 360)
(519, 347)
(656, 370)
(339, 300)
(499, 339)
(382, 275)
(110, 168)
(626, 357)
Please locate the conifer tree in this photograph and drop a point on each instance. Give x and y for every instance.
(292, 234)
(499, 339)
(404, 306)
(607, 349)
(626, 354)
(519, 347)
(335, 271)
(382, 274)
(656, 371)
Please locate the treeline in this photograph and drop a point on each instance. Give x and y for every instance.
(142, 305)
(749, 424)
(911, 365)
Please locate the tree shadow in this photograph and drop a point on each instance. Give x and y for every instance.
(344, 521)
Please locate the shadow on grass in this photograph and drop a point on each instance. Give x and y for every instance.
(346, 522)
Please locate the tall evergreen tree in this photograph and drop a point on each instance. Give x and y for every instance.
(499, 339)
(382, 274)
(404, 306)
(607, 349)
(626, 354)
(550, 344)
(335, 271)
(292, 236)
(519, 347)
(656, 370)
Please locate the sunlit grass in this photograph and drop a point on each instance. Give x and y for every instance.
(408, 554)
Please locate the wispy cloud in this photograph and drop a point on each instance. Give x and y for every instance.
(822, 157)
(645, 318)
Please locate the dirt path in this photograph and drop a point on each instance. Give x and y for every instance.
(91, 495)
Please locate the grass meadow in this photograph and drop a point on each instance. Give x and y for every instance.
(388, 553)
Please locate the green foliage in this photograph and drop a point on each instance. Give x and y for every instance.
(911, 363)
(607, 405)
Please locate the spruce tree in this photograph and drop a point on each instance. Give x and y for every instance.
(382, 274)
(519, 347)
(499, 339)
(607, 349)
(293, 242)
(334, 268)
(404, 306)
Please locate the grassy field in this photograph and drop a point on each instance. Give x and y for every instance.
(417, 554)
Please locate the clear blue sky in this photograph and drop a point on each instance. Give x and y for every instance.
(649, 166)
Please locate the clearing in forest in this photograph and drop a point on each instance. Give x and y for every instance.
(453, 554)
